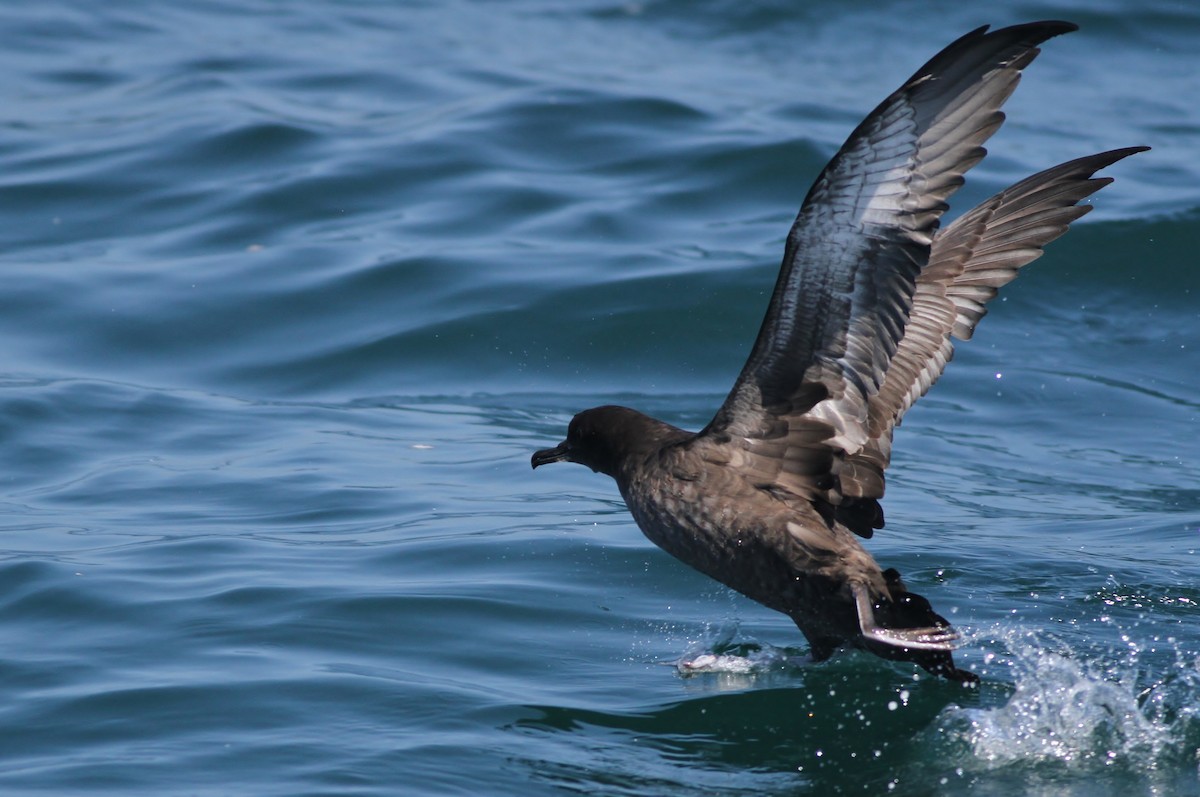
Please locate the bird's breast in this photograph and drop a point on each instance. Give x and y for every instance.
(723, 530)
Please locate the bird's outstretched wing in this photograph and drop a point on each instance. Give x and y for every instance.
(845, 293)
(971, 259)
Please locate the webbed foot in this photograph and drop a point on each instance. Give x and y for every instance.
(934, 637)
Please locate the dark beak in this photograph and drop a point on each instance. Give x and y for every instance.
(547, 455)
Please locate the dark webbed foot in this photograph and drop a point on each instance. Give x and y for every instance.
(945, 668)
(936, 636)
(913, 631)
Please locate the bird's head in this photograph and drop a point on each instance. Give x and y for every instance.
(603, 438)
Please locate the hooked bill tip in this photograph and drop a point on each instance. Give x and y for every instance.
(548, 455)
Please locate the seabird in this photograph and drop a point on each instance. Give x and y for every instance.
(772, 496)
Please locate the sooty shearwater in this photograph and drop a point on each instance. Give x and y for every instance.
(771, 497)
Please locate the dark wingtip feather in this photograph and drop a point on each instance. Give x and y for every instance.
(1029, 35)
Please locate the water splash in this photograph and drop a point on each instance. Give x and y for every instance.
(740, 663)
(1078, 711)
(737, 662)
(720, 649)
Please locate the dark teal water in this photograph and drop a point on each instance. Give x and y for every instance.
(292, 290)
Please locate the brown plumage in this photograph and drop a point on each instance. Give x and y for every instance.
(771, 497)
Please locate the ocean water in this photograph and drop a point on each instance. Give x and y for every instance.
(291, 291)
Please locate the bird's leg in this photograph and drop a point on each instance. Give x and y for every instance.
(935, 637)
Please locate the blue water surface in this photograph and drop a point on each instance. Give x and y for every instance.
(292, 291)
